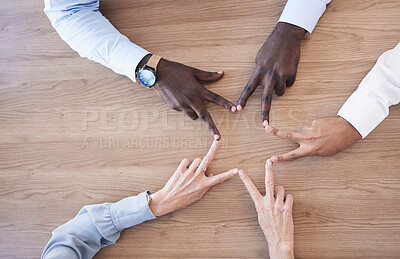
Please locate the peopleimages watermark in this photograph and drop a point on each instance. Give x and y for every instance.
(166, 128)
(128, 120)
(118, 142)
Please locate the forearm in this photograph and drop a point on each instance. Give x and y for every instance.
(369, 105)
(87, 31)
(96, 226)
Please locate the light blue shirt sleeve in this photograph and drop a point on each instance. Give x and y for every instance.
(95, 227)
(87, 31)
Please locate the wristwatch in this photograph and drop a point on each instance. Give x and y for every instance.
(147, 75)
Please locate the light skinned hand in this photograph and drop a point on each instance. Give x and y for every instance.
(324, 137)
(274, 214)
(188, 184)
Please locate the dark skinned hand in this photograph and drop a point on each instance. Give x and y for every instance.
(276, 66)
(181, 88)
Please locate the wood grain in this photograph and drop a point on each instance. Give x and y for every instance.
(74, 133)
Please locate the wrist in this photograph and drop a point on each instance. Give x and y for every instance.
(157, 205)
(295, 32)
(143, 62)
(350, 129)
(281, 252)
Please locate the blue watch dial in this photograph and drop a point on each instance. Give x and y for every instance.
(146, 77)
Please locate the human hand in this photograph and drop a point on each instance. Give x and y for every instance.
(188, 184)
(180, 87)
(276, 66)
(274, 214)
(324, 137)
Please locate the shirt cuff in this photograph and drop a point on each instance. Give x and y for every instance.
(303, 13)
(363, 111)
(131, 211)
(127, 57)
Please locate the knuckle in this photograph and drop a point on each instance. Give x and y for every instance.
(216, 98)
(288, 135)
(247, 88)
(260, 205)
(202, 186)
(219, 179)
(265, 114)
(269, 73)
(278, 207)
(287, 209)
(176, 108)
(266, 98)
(203, 115)
(280, 74)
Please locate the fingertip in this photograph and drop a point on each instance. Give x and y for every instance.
(265, 123)
(233, 108)
(275, 159)
(235, 171)
(217, 137)
(269, 162)
(239, 107)
(269, 129)
(215, 143)
(220, 72)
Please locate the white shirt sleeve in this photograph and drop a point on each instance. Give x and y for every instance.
(369, 104)
(304, 13)
(87, 31)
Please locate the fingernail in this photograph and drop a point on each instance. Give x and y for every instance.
(239, 107)
(265, 123)
(240, 172)
(235, 171)
(269, 162)
(220, 72)
(274, 159)
(233, 109)
(217, 137)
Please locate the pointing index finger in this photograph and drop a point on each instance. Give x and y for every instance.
(248, 90)
(208, 157)
(267, 97)
(206, 117)
(285, 134)
(269, 180)
(218, 100)
(251, 188)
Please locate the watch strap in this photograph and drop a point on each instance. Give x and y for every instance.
(153, 61)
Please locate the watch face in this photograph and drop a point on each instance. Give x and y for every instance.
(146, 77)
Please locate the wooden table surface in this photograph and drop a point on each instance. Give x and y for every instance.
(74, 133)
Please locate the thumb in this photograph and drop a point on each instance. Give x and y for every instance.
(205, 76)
